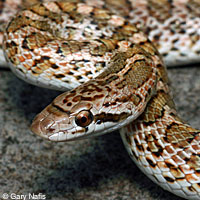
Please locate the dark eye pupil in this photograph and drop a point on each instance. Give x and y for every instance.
(83, 119)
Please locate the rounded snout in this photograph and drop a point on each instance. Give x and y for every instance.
(40, 125)
(51, 124)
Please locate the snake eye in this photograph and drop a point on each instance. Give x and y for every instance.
(84, 118)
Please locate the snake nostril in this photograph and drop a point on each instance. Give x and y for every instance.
(51, 129)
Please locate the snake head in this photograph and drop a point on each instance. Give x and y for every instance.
(73, 116)
(58, 123)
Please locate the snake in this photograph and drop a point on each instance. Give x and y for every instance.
(109, 57)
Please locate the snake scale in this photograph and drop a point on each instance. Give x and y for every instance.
(100, 48)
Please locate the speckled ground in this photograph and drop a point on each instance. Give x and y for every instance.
(91, 169)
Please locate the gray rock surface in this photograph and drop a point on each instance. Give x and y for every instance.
(91, 169)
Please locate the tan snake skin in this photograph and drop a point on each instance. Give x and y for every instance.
(7, 10)
(62, 44)
(173, 26)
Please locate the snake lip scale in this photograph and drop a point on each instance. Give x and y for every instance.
(116, 76)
